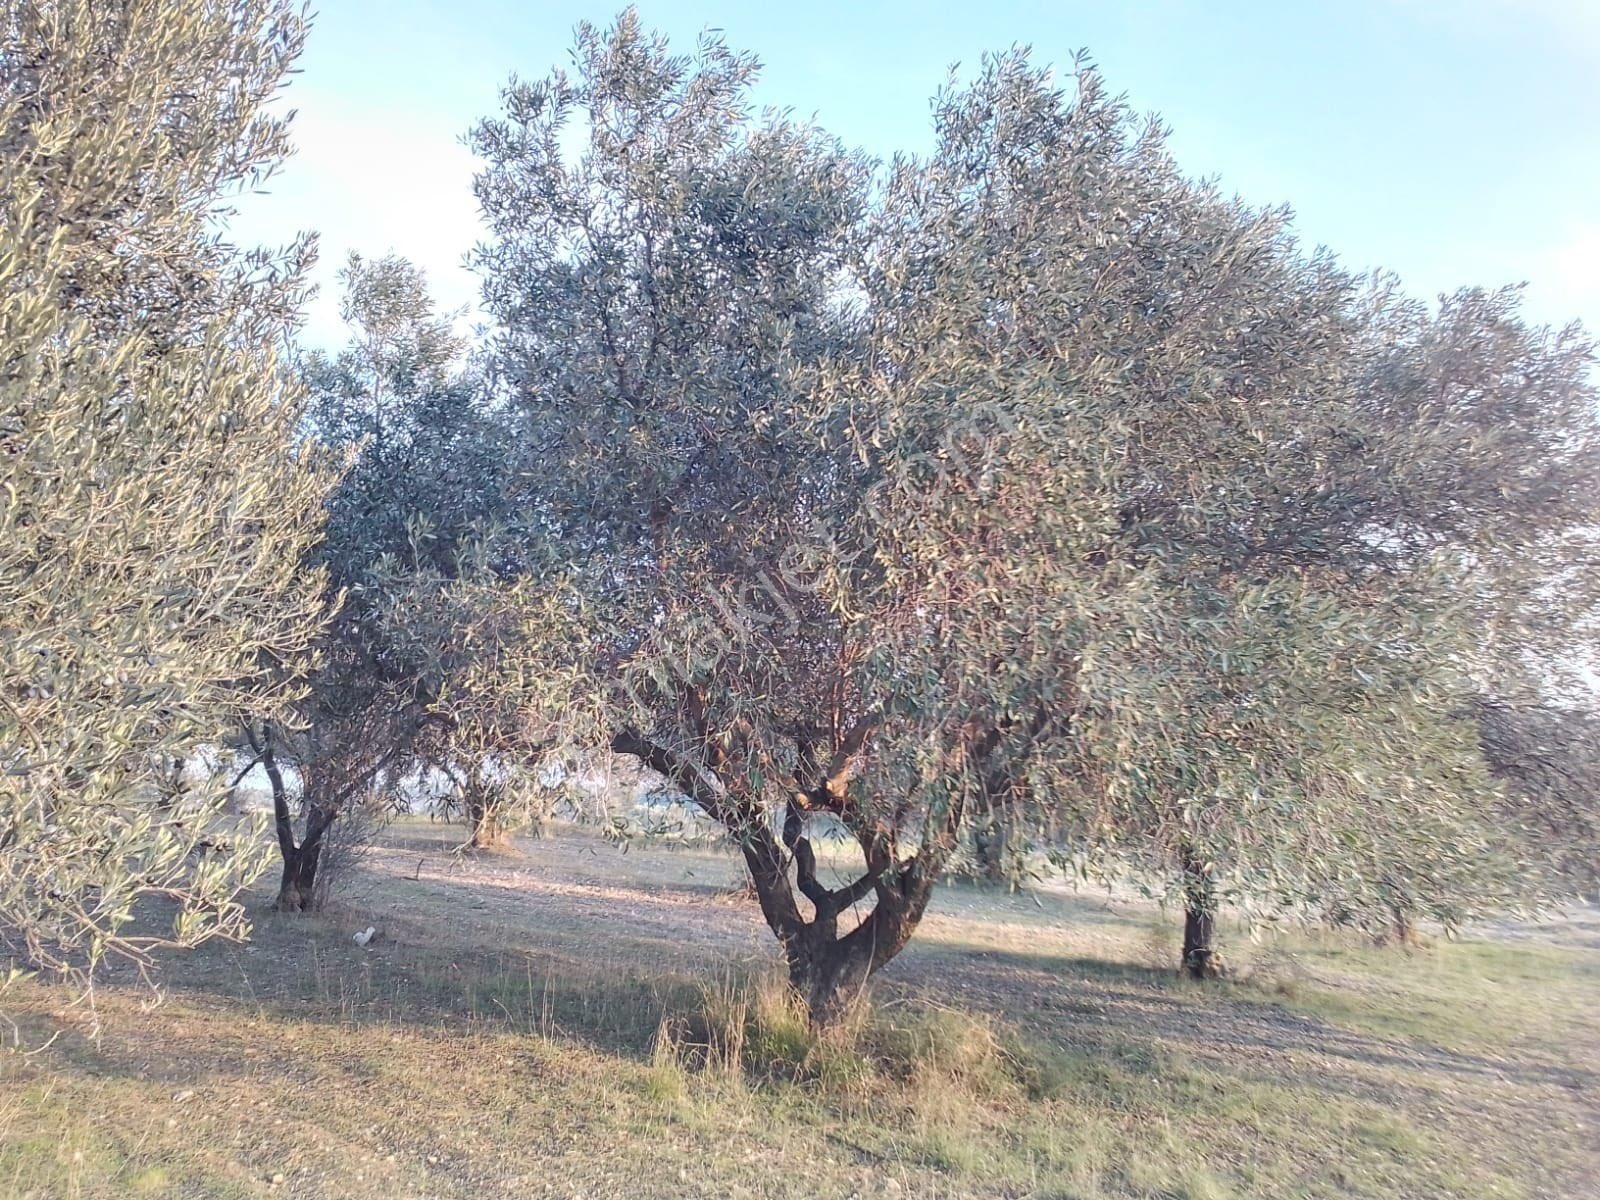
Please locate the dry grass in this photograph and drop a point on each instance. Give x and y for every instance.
(578, 1022)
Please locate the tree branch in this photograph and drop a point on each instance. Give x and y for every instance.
(805, 861)
(282, 821)
(685, 775)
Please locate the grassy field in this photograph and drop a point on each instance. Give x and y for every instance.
(571, 1021)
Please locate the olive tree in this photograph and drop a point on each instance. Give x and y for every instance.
(427, 457)
(1302, 518)
(476, 638)
(1547, 757)
(1493, 431)
(1500, 421)
(1106, 441)
(154, 508)
(651, 288)
(1484, 438)
(1041, 484)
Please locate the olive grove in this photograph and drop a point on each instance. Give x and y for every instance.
(1028, 492)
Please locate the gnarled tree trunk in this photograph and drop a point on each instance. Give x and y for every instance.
(297, 888)
(485, 816)
(826, 970)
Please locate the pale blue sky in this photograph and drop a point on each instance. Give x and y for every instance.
(1451, 140)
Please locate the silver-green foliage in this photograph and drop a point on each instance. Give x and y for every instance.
(1036, 478)
(153, 512)
(1547, 757)
(431, 626)
(1212, 538)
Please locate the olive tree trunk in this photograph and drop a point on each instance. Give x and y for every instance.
(486, 818)
(989, 852)
(483, 808)
(826, 970)
(1200, 957)
(300, 860)
(297, 888)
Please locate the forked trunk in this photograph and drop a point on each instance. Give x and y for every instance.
(298, 883)
(828, 972)
(295, 886)
(827, 977)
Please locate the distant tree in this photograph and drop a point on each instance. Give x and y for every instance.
(156, 510)
(427, 458)
(420, 661)
(342, 758)
(1482, 438)
(474, 637)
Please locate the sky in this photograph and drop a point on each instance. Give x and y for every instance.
(1452, 141)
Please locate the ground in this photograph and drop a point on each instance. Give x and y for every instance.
(544, 1022)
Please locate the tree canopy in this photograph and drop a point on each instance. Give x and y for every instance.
(1031, 478)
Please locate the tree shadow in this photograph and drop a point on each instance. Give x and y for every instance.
(602, 961)
(607, 987)
(1215, 1018)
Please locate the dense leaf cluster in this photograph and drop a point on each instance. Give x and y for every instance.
(1032, 480)
(152, 513)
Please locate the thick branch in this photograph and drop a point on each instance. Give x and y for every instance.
(836, 779)
(844, 897)
(248, 767)
(805, 862)
(685, 775)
